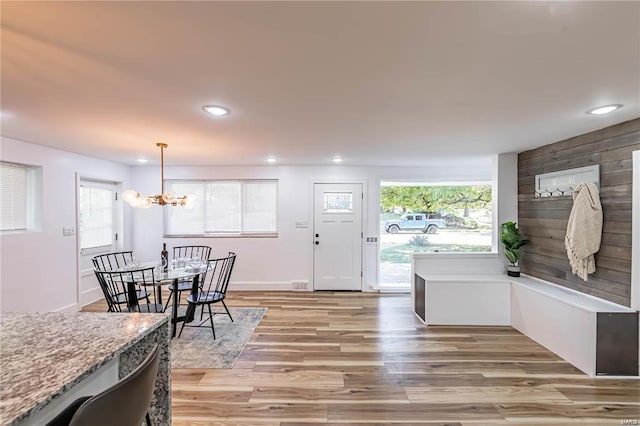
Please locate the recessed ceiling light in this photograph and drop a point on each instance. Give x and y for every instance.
(142, 160)
(272, 159)
(337, 159)
(217, 110)
(606, 109)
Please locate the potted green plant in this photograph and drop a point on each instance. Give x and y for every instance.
(512, 240)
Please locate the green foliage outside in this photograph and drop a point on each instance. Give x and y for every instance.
(419, 241)
(435, 198)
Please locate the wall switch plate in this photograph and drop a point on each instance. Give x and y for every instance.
(68, 232)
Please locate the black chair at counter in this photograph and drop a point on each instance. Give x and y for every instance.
(125, 403)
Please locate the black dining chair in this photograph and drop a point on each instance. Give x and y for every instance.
(112, 261)
(123, 290)
(126, 403)
(182, 255)
(219, 274)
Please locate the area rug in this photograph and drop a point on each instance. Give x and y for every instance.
(197, 349)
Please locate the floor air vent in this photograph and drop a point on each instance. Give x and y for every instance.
(300, 286)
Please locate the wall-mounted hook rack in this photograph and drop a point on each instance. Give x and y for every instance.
(564, 181)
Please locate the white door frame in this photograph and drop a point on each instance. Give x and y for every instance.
(365, 222)
(635, 233)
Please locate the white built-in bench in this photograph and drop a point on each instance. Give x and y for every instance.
(596, 336)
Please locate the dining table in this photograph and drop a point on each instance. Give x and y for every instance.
(162, 278)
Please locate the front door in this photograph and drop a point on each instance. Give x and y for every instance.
(337, 232)
(99, 221)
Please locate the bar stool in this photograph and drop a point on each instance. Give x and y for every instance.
(126, 403)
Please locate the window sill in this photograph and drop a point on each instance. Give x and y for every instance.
(269, 235)
(20, 231)
(96, 250)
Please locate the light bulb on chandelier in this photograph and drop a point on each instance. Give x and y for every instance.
(137, 200)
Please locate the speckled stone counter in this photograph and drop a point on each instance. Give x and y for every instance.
(44, 355)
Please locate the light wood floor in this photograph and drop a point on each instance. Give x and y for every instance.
(364, 358)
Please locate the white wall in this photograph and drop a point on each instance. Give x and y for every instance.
(272, 263)
(39, 269)
(505, 195)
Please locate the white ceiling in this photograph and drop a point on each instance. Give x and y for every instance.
(379, 83)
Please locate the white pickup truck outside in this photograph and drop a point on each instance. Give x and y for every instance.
(414, 222)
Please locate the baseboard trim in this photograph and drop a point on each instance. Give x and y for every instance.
(69, 308)
(261, 286)
(90, 296)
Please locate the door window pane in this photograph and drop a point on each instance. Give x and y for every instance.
(96, 216)
(338, 202)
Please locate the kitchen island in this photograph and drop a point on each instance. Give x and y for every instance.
(47, 360)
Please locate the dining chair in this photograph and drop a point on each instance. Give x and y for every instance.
(124, 289)
(219, 274)
(181, 257)
(111, 261)
(125, 403)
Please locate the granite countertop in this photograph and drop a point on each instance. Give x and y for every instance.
(42, 355)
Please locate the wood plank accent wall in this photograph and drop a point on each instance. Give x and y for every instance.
(544, 220)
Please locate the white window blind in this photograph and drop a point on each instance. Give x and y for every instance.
(238, 207)
(13, 196)
(96, 215)
(260, 207)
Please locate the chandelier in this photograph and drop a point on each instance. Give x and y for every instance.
(135, 199)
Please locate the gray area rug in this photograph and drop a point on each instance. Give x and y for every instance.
(197, 349)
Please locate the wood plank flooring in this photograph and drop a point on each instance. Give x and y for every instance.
(352, 358)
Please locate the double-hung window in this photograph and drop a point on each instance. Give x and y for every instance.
(224, 207)
(20, 192)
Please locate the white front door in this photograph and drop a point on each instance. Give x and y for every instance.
(337, 232)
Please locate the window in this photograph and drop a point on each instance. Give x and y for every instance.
(338, 202)
(224, 207)
(19, 197)
(97, 201)
(423, 218)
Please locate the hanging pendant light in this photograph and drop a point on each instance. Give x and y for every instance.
(135, 199)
